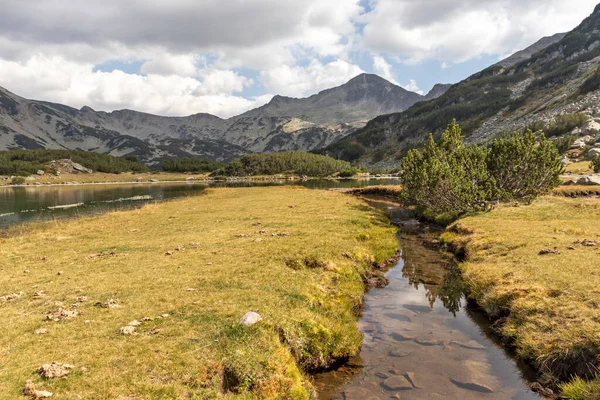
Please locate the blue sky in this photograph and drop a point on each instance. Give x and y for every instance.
(179, 57)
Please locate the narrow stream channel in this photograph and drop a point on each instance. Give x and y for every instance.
(421, 339)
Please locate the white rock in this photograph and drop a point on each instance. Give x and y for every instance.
(593, 153)
(250, 318)
(591, 128)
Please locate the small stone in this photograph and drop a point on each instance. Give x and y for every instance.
(54, 370)
(548, 251)
(209, 263)
(413, 379)
(30, 391)
(471, 344)
(474, 386)
(396, 383)
(135, 322)
(259, 240)
(191, 290)
(250, 318)
(397, 353)
(127, 330)
(381, 375)
(154, 331)
(110, 303)
(25, 271)
(194, 244)
(41, 331)
(39, 294)
(146, 319)
(61, 314)
(165, 315)
(82, 299)
(169, 253)
(402, 336)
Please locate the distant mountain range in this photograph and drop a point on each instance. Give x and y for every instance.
(283, 124)
(559, 74)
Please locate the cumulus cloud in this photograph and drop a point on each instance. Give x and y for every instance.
(455, 31)
(78, 85)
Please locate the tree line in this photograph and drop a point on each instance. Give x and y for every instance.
(27, 162)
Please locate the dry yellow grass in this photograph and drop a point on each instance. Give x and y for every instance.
(549, 304)
(578, 167)
(199, 350)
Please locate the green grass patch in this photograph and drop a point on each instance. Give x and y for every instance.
(204, 261)
(547, 305)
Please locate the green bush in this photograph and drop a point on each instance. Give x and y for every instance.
(27, 162)
(291, 162)
(196, 165)
(449, 178)
(523, 167)
(596, 164)
(17, 180)
(564, 124)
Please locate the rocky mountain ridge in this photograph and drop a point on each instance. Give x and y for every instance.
(283, 124)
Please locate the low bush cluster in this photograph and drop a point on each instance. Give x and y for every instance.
(449, 177)
(291, 162)
(596, 164)
(196, 165)
(27, 162)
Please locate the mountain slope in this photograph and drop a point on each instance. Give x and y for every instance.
(563, 77)
(283, 124)
(531, 50)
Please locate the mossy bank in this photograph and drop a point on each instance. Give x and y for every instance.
(181, 274)
(534, 269)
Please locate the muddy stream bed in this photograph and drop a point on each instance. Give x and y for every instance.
(421, 338)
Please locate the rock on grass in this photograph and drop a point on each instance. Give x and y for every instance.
(54, 370)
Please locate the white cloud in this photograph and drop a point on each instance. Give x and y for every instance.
(383, 69)
(301, 81)
(170, 64)
(78, 85)
(455, 31)
(413, 87)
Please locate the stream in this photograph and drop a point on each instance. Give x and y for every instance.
(420, 338)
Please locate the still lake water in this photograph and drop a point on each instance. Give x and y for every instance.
(35, 203)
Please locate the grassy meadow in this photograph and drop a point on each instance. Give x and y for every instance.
(186, 271)
(547, 305)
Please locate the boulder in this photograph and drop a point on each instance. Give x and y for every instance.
(582, 142)
(591, 127)
(250, 318)
(40, 172)
(80, 168)
(593, 153)
(591, 180)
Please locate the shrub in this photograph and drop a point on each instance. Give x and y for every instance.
(596, 164)
(27, 162)
(197, 165)
(447, 177)
(523, 167)
(17, 180)
(291, 162)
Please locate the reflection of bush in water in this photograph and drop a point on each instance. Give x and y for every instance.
(439, 277)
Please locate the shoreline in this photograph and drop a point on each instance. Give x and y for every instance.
(198, 181)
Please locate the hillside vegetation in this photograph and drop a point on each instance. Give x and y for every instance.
(291, 162)
(27, 162)
(180, 275)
